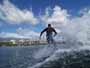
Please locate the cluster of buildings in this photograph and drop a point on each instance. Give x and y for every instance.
(28, 42)
(12, 42)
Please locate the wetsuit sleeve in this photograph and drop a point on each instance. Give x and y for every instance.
(43, 32)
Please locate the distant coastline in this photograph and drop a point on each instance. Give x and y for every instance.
(25, 43)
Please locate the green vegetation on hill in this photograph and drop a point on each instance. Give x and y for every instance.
(7, 44)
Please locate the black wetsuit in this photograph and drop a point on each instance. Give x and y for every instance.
(49, 34)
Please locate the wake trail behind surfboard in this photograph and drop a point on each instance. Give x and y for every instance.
(44, 52)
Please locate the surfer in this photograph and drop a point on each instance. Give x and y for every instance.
(49, 33)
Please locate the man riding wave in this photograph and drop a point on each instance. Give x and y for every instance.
(49, 33)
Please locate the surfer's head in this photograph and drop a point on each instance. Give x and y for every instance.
(49, 25)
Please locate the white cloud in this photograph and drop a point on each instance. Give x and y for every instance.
(14, 15)
(28, 35)
(27, 32)
(84, 11)
(21, 33)
(10, 35)
(57, 18)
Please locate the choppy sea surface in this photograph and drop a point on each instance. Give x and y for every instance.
(45, 56)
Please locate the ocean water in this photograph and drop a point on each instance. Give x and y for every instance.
(45, 56)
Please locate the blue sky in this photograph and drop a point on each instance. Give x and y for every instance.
(71, 5)
(38, 11)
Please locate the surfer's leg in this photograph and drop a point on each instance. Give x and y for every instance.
(48, 39)
(52, 40)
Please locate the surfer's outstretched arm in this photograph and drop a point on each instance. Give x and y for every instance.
(43, 32)
(54, 32)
